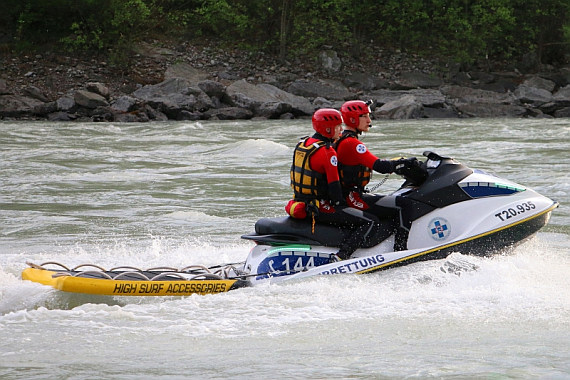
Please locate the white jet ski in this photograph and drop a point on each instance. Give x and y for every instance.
(448, 208)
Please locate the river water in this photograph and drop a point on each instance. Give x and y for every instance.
(180, 193)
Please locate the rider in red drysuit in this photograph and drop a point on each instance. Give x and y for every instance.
(356, 164)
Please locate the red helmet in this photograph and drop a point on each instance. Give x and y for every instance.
(352, 110)
(325, 120)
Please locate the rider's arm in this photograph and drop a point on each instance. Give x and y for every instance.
(335, 192)
(383, 166)
(353, 152)
(331, 170)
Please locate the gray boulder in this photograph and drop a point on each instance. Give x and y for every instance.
(541, 83)
(102, 114)
(127, 118)
(563, 112)
(427, 97)
(562, 96)
(44, 109)
(187, 115)
(174, 104)
(445, 112)
(483, 77)
(322, 103)
(471, 102)
(154, 114)
(313, 89)
(89, 99)
(36, 93)
(299, 105)
(98, 88)
(213, 88)
(267, 100)
(17, 106)
(66, 104)
(167, 88)
(406, 107)
(173, 96)
(272, 110)
(229, 113)
(532, 96)
(501, 86)
(416, 79)
(246, 95)
(365, 82)
(459, 95)
(60, 116)
(123, 104)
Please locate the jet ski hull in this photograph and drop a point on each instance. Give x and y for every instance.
(289, 262)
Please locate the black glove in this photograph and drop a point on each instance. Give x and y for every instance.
(403, 165)
(312, 209)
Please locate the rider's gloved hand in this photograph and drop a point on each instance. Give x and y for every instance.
(403, 165)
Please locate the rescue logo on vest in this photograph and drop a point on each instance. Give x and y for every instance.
(361, 148)
(334, 161)
(439, 229)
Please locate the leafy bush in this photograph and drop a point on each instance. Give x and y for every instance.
(467, 31)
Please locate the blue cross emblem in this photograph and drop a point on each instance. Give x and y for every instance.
(439, 229)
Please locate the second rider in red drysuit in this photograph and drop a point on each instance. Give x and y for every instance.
(356, 164)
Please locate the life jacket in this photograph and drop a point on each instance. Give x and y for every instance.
(352, 177)
(307, 184)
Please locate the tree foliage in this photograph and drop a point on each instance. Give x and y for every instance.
(467, 31)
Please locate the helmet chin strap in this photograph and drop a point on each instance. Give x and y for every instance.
(359, 131)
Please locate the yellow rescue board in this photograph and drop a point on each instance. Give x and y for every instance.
(101, 286)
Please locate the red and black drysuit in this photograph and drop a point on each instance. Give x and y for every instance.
(355, 165)
(314, 177)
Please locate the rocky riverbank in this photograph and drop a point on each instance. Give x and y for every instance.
(189, 82)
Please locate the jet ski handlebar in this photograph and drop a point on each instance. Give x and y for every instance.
(434, 156)
(417, 173)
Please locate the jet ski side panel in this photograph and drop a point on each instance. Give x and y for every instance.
(369, 261)
(477, 217)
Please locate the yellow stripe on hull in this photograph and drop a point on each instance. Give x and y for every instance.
(109, 287)
(459, 242)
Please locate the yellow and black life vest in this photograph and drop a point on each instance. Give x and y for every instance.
(307, 184)
(352, 177)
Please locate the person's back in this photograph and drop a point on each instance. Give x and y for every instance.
(316, 186)
(312, 171)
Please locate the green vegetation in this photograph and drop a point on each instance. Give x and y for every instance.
(466, 31)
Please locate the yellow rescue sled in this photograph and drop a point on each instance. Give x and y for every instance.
(130, 281)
